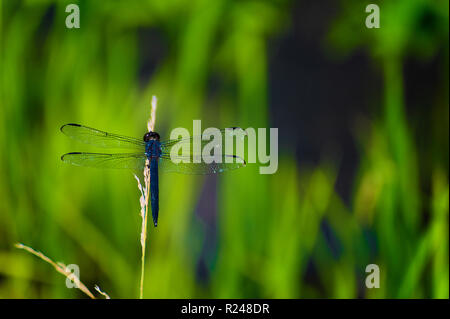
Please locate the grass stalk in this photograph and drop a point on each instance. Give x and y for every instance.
(61, 268)
(144, 199)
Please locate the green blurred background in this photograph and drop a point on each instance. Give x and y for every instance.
(363, 118)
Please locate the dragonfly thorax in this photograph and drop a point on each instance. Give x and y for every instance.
(153, 148)
(152, 144)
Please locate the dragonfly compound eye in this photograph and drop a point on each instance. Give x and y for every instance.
(151, 136)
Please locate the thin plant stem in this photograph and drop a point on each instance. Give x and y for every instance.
(102, 292)
(144, 229)
(59, 267)
(144, 198)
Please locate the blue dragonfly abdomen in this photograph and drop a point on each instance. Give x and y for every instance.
(153, 153)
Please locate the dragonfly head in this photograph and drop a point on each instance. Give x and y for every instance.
(151, 136)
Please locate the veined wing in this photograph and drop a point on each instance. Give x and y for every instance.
(99, 138)
(235, 133)
(202, 168)
(100, 160)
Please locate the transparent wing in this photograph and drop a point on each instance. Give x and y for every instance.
(202, 168)
(99, 160)
(99, 138)
(237, 133)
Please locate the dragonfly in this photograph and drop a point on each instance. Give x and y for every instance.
(148, 152)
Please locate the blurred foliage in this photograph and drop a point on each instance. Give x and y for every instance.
(287, 235)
